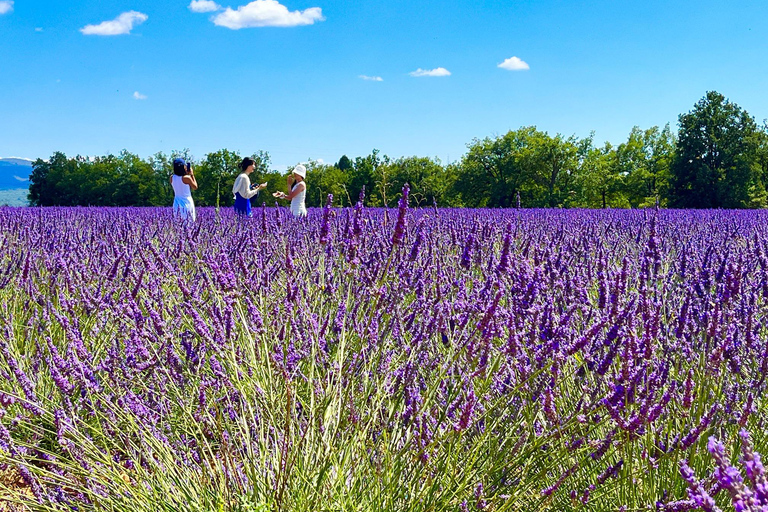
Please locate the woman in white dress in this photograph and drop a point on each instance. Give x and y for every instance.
(298, 188)
(183, 182)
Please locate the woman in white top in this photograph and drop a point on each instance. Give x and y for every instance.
(243, 190)
(298, 188)
(183, 182)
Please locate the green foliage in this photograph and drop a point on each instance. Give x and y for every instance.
(325, 179)
(644, 163)
(716, 159)
(541, 168)
(344, 163)
(600, 180)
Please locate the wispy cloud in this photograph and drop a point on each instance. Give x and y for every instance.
(514, 64)
(38, 29)
(138, 96)
(204, 6)
(372, 78)
(430, 72)
(6, 6)
(266, 13)
(123, 24)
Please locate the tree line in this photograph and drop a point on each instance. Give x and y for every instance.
(717, 159)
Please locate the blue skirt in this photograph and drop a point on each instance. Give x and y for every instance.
(242, 205)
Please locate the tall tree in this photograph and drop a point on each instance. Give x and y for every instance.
(325, 179)
(644, 163)
(364, 174)
(427, 178)
(344, 163)
(492, 174)
(552, 163)
(715, 162)
(215, 175)
(758, 192)
(599, 179)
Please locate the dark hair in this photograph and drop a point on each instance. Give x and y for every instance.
(246, 163)
(179, 168)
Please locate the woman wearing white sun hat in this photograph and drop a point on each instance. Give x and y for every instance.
(298, 187)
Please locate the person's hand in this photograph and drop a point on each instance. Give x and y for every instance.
(263, 185)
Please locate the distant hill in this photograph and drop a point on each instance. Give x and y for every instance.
(14, 173)
(14, 181)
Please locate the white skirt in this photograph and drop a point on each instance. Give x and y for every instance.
(184, 207)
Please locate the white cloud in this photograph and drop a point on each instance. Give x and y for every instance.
(137, 95)
(123, 24)
(372, 78)
(6, 6)
(514, 64)
(204, 6)
(430, 72)
(38, 29)
(266, 13)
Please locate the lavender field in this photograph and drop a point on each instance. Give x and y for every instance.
(372, 360)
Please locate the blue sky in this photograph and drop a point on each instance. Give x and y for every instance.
(209, 80)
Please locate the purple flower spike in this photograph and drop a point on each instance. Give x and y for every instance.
(402, 210)
(696, 491)
(325, 226)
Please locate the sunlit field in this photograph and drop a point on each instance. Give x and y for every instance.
(383, 360)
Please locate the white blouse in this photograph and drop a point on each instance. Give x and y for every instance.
(243, 186)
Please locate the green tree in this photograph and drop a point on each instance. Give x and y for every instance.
(758, 195)
(491, 173)
(324, 179)
(552, 163)
(162, 168)
(427, 178)
(715, 163)
(600, 180)
(344, 163)
(364, 174)
(215, 175)
(39, 190)
(540, 168)
(645, 161)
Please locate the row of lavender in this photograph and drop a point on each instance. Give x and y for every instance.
(384, 360)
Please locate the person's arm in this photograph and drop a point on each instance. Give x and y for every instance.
(251, 191)
(246, 191)
(190, 180)
(298, 188)
(237, 185)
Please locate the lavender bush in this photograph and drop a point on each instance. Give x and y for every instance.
(364, 360)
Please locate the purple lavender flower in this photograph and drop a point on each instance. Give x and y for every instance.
(552, 488)
(325, 227)
(402, 211)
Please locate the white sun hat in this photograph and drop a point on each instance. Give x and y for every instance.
(300, 170)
